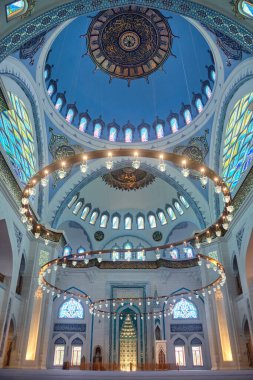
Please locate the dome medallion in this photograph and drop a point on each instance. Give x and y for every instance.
(129, 43)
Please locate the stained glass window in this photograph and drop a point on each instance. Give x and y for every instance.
(199, 105)
(152, 221)
(197, 357)
(115, 253)
(93, 217)
(187, 116)
(115, 222)
(208, 91)
(159, 131)
(16, 138)
(174, 125)
(81, 250)
(162, 218)
(67, 250)
(246, 8)
(104, 220)
(141, 255)
(46, 74)
(140, 223)
(16, 8)
(184, 201)
(171, 213)
(70, 115)
(180, 356)
(128, 223)
(128, 135)
(144, 134)
(213, 75)
(77, 208)
(59, 354)
(128, 245)
(238, 146)
(97, 130)
(83, 124)
(72, 201)
(184, 309)
(51, 89)
(85, 212)
(113, 134)
(189, 252)
(178, 208)
(71, 309)
(59, 104)
(174, 253)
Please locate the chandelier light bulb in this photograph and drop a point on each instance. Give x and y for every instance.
(84, 165)
(225, 225)
(100, 259)
(136, 162)
(203, 180)
(32, 191)
(109, 162)
(22, 210)
(37, 235)
(46, 241)
(162, 165)
(185, 172)
(62, 173)
(25, 201)
(158, 255)
(230, 217)
(218, 189)
(44, 182)
(218, 233)
(227, 198)
(74, 263)
(24, 219)
(29, 226)
(230, 208)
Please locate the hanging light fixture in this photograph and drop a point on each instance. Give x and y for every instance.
(24, 218)
(84, 165)
(32, 191)
(161, 165)
(217, 231)
(44, 182)
(62, 172)
(230, 208)
(100, 259)
(225, 223)
(158, 254)
(230, 217)
(208, 237)
(217, 186)
(37, 233)
(185, 171)
(197, 244)
(46, 240)
(136, 162)
(109, 162)
(203, 177)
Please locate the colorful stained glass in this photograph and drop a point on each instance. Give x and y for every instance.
(159, 131)
(247, 9)
(140, 223)
(174, 253)
(187, 116)
(115, 222)
(238, 142)
(70, 115)
(85, 212)
(93, 217)
(16, 138)
(46, 74)
(83, 124)
(14, 9)
(178, 208)
(51, 90)
(152, 221)
(199, 105)
(71, 309)
(67, 250)
(189, 252)
(73, 200)
(115, 252)
(128, 135)
(97, 130)
(141, 255)
(104, 220)
(208, 91)
(59, 104)
(128, 223)
(184, 201)
(77, 208)
(213, 75)
(184, 309)
(174, 125)
(162, 218)
(128, 255)
(81, 250)
(171, 213)
(144, 134)
(113, 134)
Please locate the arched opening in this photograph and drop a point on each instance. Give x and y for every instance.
(6, 261)
(249, 346)
(157, 333)
(237, 277)
(21, 276)
(97, 359)
(249, 262)
(9, 344)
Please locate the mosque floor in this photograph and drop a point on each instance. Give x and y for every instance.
(19, 374)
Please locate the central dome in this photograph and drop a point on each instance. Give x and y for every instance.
(130, 42)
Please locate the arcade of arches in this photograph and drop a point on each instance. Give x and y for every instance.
(165, 76)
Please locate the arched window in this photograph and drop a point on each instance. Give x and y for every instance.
(76, 352)
(141, 255)
(128, 135)
(208, 91)
(162, 217)
(238, 149)
(115, 252)
(97, 130)
(184, 309)
(174, 253)
(159, 131)
(152, 220)
(171, 213)
(83, 123)
(70, 115)
(51, 89)
(128, 222)
(71, 309)
(81, 250)
(140, 222)
(59, 350)
(199, 105)
(184, 201)
(113, 134)
(197, 357)
(78, 207)
(180, 352)
(59, 104)
(104, 220)
(128, 245)
(115, 222)
(213, 75)
(144, 134)
(178, 208)
(174, 125)
(246, 8)
(189, 252)
(16, 138)
(187, 116)
(67, 250)
(73, 200)
(46, 73)
(16, 9)
(94, 217)
(85, 212)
